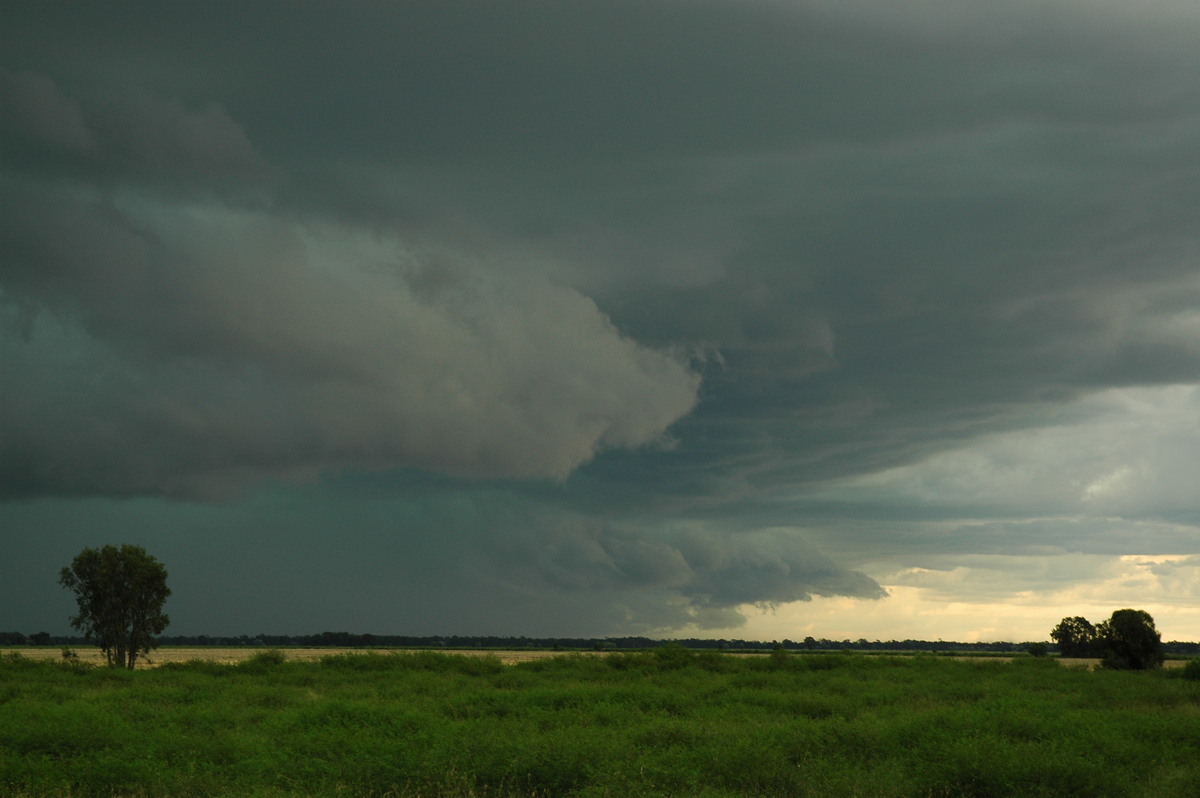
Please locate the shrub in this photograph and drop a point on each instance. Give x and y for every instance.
(271, 656)
(780, 659)
(415, 661)
(673, 657)
(824, 662)
(205, 666)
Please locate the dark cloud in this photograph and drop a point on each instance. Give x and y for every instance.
(249, 343)
(441, 560)
(249, 352)
(693, 572)
(636, 313)
(37, 115)
(539, 79)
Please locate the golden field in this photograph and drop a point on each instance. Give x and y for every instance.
(238, 653)
(233, 654)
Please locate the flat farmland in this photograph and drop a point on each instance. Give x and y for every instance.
(666, 722)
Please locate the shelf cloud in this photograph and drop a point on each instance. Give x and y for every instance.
(603, 317)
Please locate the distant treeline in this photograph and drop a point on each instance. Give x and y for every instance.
(350, 640)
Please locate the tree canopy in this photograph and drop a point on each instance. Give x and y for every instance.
(1130, 641)
(120, 593)
(1075, 636)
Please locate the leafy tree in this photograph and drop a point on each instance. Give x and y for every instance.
(120, 593)
(1076, 637)
(1130, 641)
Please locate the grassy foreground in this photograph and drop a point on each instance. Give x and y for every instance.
(667, 722)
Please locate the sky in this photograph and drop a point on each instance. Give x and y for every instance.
(757, 319)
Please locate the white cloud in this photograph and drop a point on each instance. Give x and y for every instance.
(1126, 452)
(964, 604)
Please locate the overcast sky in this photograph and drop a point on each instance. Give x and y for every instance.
(720, 318)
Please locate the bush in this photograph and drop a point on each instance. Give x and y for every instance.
(271, 656)
(672, 657)
(1191, 671)
(415, 661)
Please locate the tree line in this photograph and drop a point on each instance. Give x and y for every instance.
(518, 642)
(121, 591)
(515, 642)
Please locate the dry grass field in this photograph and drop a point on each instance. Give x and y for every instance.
(237, 654)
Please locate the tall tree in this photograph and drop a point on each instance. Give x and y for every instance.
(120, 593)
(1076, 637)
(1130, 641)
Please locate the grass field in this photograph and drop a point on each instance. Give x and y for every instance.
(667, 722)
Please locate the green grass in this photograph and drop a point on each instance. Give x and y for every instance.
(662, 723)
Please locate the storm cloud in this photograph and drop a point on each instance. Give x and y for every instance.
(606, 316)
(251, 342)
